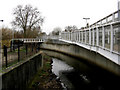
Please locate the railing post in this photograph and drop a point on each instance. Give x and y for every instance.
(82, 36)
(93, 43)
(5, 54)
(36, 48)
(62, 35)
(18, 51)
(79, 36)
(76, 36)
(72, 36)
(103, 37)
(111, 44)
(32, 47)
(106, 20)
(113, 17)
(97, 37)
(89, 36)
(69, 36)
(66, 36)
(119, 30)
(85, 37)
(26, 47)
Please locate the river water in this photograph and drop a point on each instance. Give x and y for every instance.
(77, 74)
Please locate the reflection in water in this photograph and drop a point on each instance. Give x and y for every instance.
(82, 75)
(58, 66)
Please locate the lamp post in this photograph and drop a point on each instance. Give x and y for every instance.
(1, 20)
(86, 21)
(0, 48)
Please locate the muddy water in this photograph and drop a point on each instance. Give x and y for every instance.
(77, 74)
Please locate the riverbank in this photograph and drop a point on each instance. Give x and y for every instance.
(45, 79)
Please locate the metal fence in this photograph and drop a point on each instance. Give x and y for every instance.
(18, 52)
(103, 35)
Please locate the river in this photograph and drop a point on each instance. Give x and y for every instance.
(77, 74)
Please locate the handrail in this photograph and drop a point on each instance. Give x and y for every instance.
(102, 38)
(113, 18)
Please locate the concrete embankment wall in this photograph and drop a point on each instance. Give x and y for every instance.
(21, 74)
(87, 55)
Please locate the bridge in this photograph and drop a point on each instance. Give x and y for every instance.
(30, 40)
(103, 37)
(98, 43)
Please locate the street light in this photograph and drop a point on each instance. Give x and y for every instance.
(1, 20)
(86, 21)
(0, 41)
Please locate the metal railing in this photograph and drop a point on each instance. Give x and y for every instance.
(18, 52)
(53, 37)
(103, 37)
(30, 40)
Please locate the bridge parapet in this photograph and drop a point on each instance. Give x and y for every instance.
(103, 38)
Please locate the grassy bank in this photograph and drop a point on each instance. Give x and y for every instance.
(45, 79)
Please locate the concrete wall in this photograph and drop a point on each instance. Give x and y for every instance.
(87, 55)
(20, 75)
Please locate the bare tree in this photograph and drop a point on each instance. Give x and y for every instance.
(56, 31)
(70, 28)
(27, 18)
(18, 34)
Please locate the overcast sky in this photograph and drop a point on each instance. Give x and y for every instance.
(61, 13)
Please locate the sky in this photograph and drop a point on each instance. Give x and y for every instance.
(61, 13)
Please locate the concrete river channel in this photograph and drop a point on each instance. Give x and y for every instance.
(77, 74)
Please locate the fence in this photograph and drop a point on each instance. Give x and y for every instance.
(18, 52)
(102, 37)
(104, 33)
